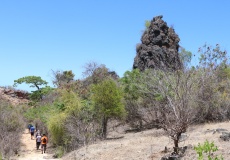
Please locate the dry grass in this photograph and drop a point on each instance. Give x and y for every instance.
(149, 145)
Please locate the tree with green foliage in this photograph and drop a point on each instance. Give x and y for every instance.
(128, 81)
(132, 98)
(72, 124)
(38, 94)
(34, 81)
(107, 99)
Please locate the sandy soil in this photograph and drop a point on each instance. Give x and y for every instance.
(150, 144)
(28, 150)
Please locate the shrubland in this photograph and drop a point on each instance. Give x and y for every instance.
(77, 112)
(11, 127)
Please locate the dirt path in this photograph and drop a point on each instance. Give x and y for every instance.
(28, 149)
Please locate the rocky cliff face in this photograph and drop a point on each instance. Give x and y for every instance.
(159, 47)
(14, 97)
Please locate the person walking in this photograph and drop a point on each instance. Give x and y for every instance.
(44, 141)
(38, 141)
(29, 126)
(32, 129)
(37, 133)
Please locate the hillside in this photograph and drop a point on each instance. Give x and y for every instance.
(147, 145)
(150, 144)
(15, 97)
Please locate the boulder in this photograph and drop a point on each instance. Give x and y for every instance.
(225, 136)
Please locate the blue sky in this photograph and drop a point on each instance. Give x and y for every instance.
(39, 36)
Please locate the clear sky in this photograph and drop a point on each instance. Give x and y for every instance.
(39, 36)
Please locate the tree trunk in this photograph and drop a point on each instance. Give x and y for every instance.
(104, 127)
(176, 141)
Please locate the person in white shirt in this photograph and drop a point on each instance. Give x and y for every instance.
(38, 141)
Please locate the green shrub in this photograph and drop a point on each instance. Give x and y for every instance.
(40, 112)
(209, 149)
(59, 152)
(56, 128)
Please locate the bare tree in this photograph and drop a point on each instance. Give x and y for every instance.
(82, 128)
(62, 77)
(173, 97)
(90, 68)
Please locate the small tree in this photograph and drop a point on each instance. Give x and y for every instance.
(212, 58)
(173, 96)
(135, 115)
(95, 73)
(107, 99)
(214, 98)
(34, 81)
(62, 77)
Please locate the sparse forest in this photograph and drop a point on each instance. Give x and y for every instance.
(163, 90)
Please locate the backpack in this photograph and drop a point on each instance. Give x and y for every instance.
(44, 140)
(32, 129)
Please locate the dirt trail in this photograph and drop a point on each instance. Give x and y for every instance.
(28, 150)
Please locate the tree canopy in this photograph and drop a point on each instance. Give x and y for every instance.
(34, 81)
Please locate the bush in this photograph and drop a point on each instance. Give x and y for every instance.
(12, 125)
(73, 125)
(209, 149)
(56, 128)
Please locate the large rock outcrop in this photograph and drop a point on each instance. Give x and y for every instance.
(159, 47)
(13, 96)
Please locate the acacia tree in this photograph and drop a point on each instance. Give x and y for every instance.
(107, 99)
(33, 81)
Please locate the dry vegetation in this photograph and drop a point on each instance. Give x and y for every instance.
(11, 125)
(150, 144)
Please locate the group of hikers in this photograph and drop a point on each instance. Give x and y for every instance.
(40, 140)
